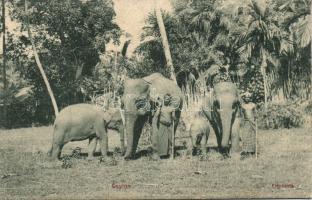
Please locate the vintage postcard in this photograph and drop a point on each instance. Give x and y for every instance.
(155, 99)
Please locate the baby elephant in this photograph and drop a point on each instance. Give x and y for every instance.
(199, 133)
(85, 121)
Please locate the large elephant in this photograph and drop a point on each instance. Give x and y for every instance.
(140, 98)
(221, 107)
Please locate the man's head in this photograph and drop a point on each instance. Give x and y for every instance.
(167, 99)
(247, 97)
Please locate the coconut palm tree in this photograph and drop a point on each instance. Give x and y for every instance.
(262, 39)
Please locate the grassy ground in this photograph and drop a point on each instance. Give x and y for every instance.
(283, 169)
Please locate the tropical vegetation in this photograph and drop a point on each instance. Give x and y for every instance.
(268, 44)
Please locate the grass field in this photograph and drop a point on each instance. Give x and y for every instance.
(283, 169)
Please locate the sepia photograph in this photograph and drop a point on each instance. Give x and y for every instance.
(155, 99)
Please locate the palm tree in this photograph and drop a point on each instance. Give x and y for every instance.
(297, 22)
(263, 38)
(298, 15)
(4, 63)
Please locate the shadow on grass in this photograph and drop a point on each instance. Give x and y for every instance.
(179, 150)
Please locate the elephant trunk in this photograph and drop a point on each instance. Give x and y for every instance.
(129, 124)
(134, 126)
(226, 119)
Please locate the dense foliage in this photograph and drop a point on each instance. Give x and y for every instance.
(70, 35)
(272, 36)
(267, 43)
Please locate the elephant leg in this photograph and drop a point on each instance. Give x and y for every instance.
(235, 136)
(50, 151)
(91, 148)
(150, 122)
(204, 142)
(57, 143)
(191, 145)
(56, 150)
(101, 133)
(122, 139)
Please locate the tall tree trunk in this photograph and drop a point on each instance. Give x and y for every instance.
(265, 86)
(164, 40)
(310, 85)
(56, 111)
(5, 121)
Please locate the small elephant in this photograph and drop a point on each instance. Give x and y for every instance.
(85, 121)
(199, 134)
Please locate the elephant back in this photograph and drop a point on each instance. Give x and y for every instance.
(135, 86)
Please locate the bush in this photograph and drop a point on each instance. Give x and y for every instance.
(20, 107)
(280, 116)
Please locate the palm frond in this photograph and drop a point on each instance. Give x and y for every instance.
(304, 31)
(286, 47)
(272, 59)
(232, 7)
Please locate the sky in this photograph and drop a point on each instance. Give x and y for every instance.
(130, 16)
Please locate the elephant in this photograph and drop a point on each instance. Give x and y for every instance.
(199, 134)
(220, 108)
(85, 121)
(140, 99)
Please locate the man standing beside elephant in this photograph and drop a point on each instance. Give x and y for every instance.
(249, 127)
(162, 128)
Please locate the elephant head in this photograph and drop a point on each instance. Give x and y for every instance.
(139, 98)
(223, 105)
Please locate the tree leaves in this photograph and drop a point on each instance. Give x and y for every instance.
(69, 35)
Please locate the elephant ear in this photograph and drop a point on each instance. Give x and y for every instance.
(142, 103)
(175, 102)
